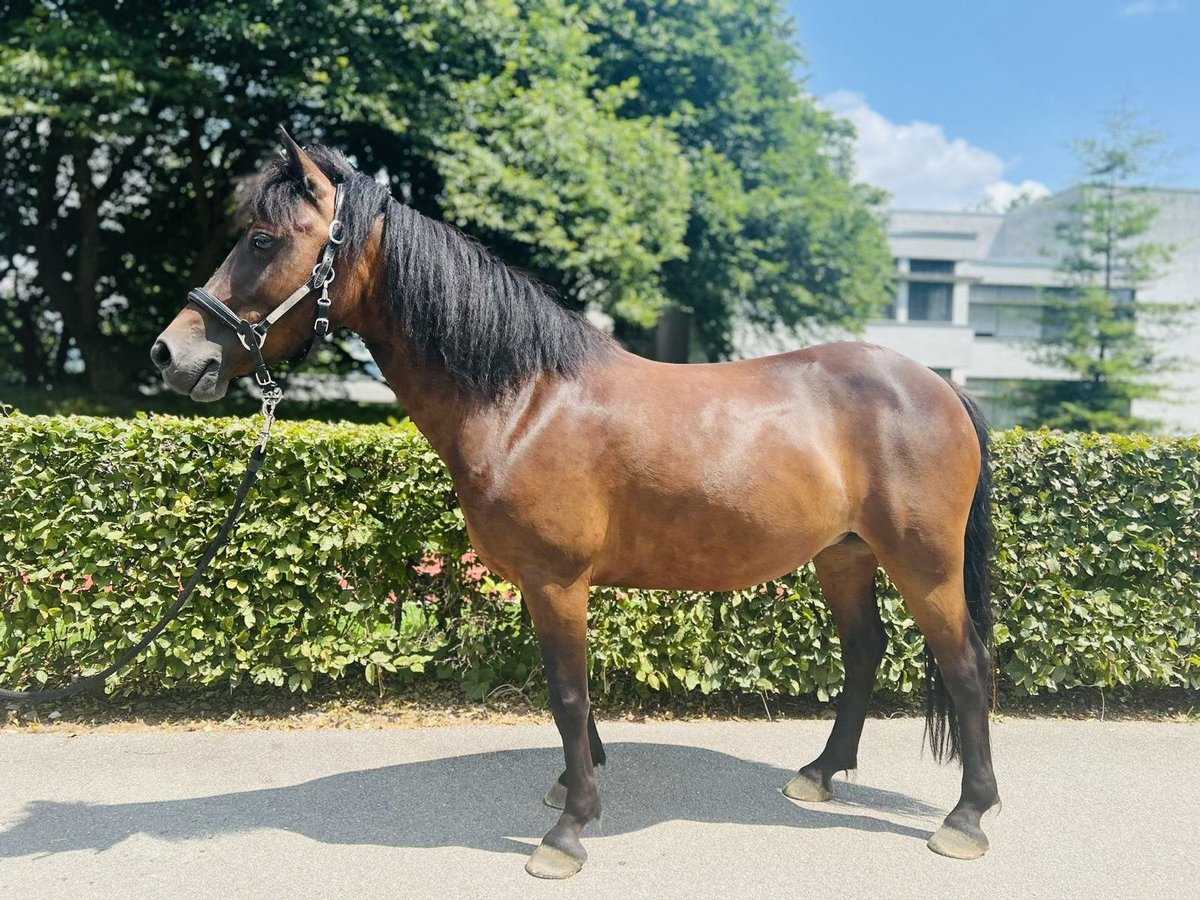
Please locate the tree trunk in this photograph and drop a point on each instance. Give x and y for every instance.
(672, 339)
(210, 201)
(105, 364)
(33, 360)
(49, 244)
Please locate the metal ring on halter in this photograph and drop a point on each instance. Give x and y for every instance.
(337, 232)
(316, 270)
(241, 335)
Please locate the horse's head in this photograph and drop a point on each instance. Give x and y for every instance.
(289, 228)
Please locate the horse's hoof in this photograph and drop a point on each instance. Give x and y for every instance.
(804, 788)
(957, 844)
(556, 797)
(550, 862)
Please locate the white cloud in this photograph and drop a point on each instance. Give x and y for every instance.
(1000, 196)
(1144, 8)
(920, 166)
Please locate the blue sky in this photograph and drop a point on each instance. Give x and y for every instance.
(957, 102)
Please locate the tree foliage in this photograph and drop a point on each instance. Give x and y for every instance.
(778, 232)
(632, 155)
(1099, 332)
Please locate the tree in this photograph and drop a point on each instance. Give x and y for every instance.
(1097, 330)
(128, 126)
(778, 231)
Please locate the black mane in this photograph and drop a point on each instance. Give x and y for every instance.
(490, 326)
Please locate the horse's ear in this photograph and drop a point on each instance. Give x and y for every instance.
(302, 168)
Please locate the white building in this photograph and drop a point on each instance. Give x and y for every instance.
(968, 298)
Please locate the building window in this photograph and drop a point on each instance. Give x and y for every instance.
(931, 266)
(1006, 320)
(1017, 312)
(1052, 323)
(1001, 401)
(930, 301)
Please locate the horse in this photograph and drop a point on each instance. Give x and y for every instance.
(577, 463)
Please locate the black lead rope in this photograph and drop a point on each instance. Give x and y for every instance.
(271, 395)
(93, 681)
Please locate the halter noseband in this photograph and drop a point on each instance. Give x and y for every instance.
(253, 336)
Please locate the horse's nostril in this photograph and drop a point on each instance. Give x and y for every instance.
(160, 354)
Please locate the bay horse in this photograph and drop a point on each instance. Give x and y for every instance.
(577, 463)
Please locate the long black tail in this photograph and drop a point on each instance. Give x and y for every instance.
(941, 723)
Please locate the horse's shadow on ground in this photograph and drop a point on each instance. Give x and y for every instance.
(475, 801)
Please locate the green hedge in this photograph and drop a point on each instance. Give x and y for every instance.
(352, 560)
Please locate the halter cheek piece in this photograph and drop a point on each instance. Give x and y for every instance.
(253, 336)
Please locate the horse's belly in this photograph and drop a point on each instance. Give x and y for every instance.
(704, 551)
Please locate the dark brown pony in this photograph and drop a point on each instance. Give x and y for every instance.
(577, 463)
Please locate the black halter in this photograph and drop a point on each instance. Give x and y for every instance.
(253, 336)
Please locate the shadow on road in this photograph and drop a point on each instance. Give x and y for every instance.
(474, 801)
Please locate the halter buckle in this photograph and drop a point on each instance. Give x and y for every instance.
(337, 232)
(321, 323)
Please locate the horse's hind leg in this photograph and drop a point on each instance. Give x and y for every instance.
(846, 573)
(931, 582)
(556, 797)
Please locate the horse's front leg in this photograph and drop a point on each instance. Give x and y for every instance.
(556, 797)
(559, 613)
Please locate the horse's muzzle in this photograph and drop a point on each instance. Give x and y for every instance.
(196, 375)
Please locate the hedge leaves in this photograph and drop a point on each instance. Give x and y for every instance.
(351, 560)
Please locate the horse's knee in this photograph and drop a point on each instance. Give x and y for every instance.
(569, 703)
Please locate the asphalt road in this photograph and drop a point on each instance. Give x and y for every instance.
(1091, 810)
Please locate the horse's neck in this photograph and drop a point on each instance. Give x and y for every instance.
(473, 437)
(427, 393)
(461, 428)
(434, 403)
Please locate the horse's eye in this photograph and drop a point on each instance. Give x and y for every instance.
(262, 241)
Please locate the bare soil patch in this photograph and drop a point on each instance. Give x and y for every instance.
(432, 704)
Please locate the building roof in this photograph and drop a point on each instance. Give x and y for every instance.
(1026, 236)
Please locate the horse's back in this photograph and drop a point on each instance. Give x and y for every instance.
(871, 395)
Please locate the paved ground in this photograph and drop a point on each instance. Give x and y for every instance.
(692, 810)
